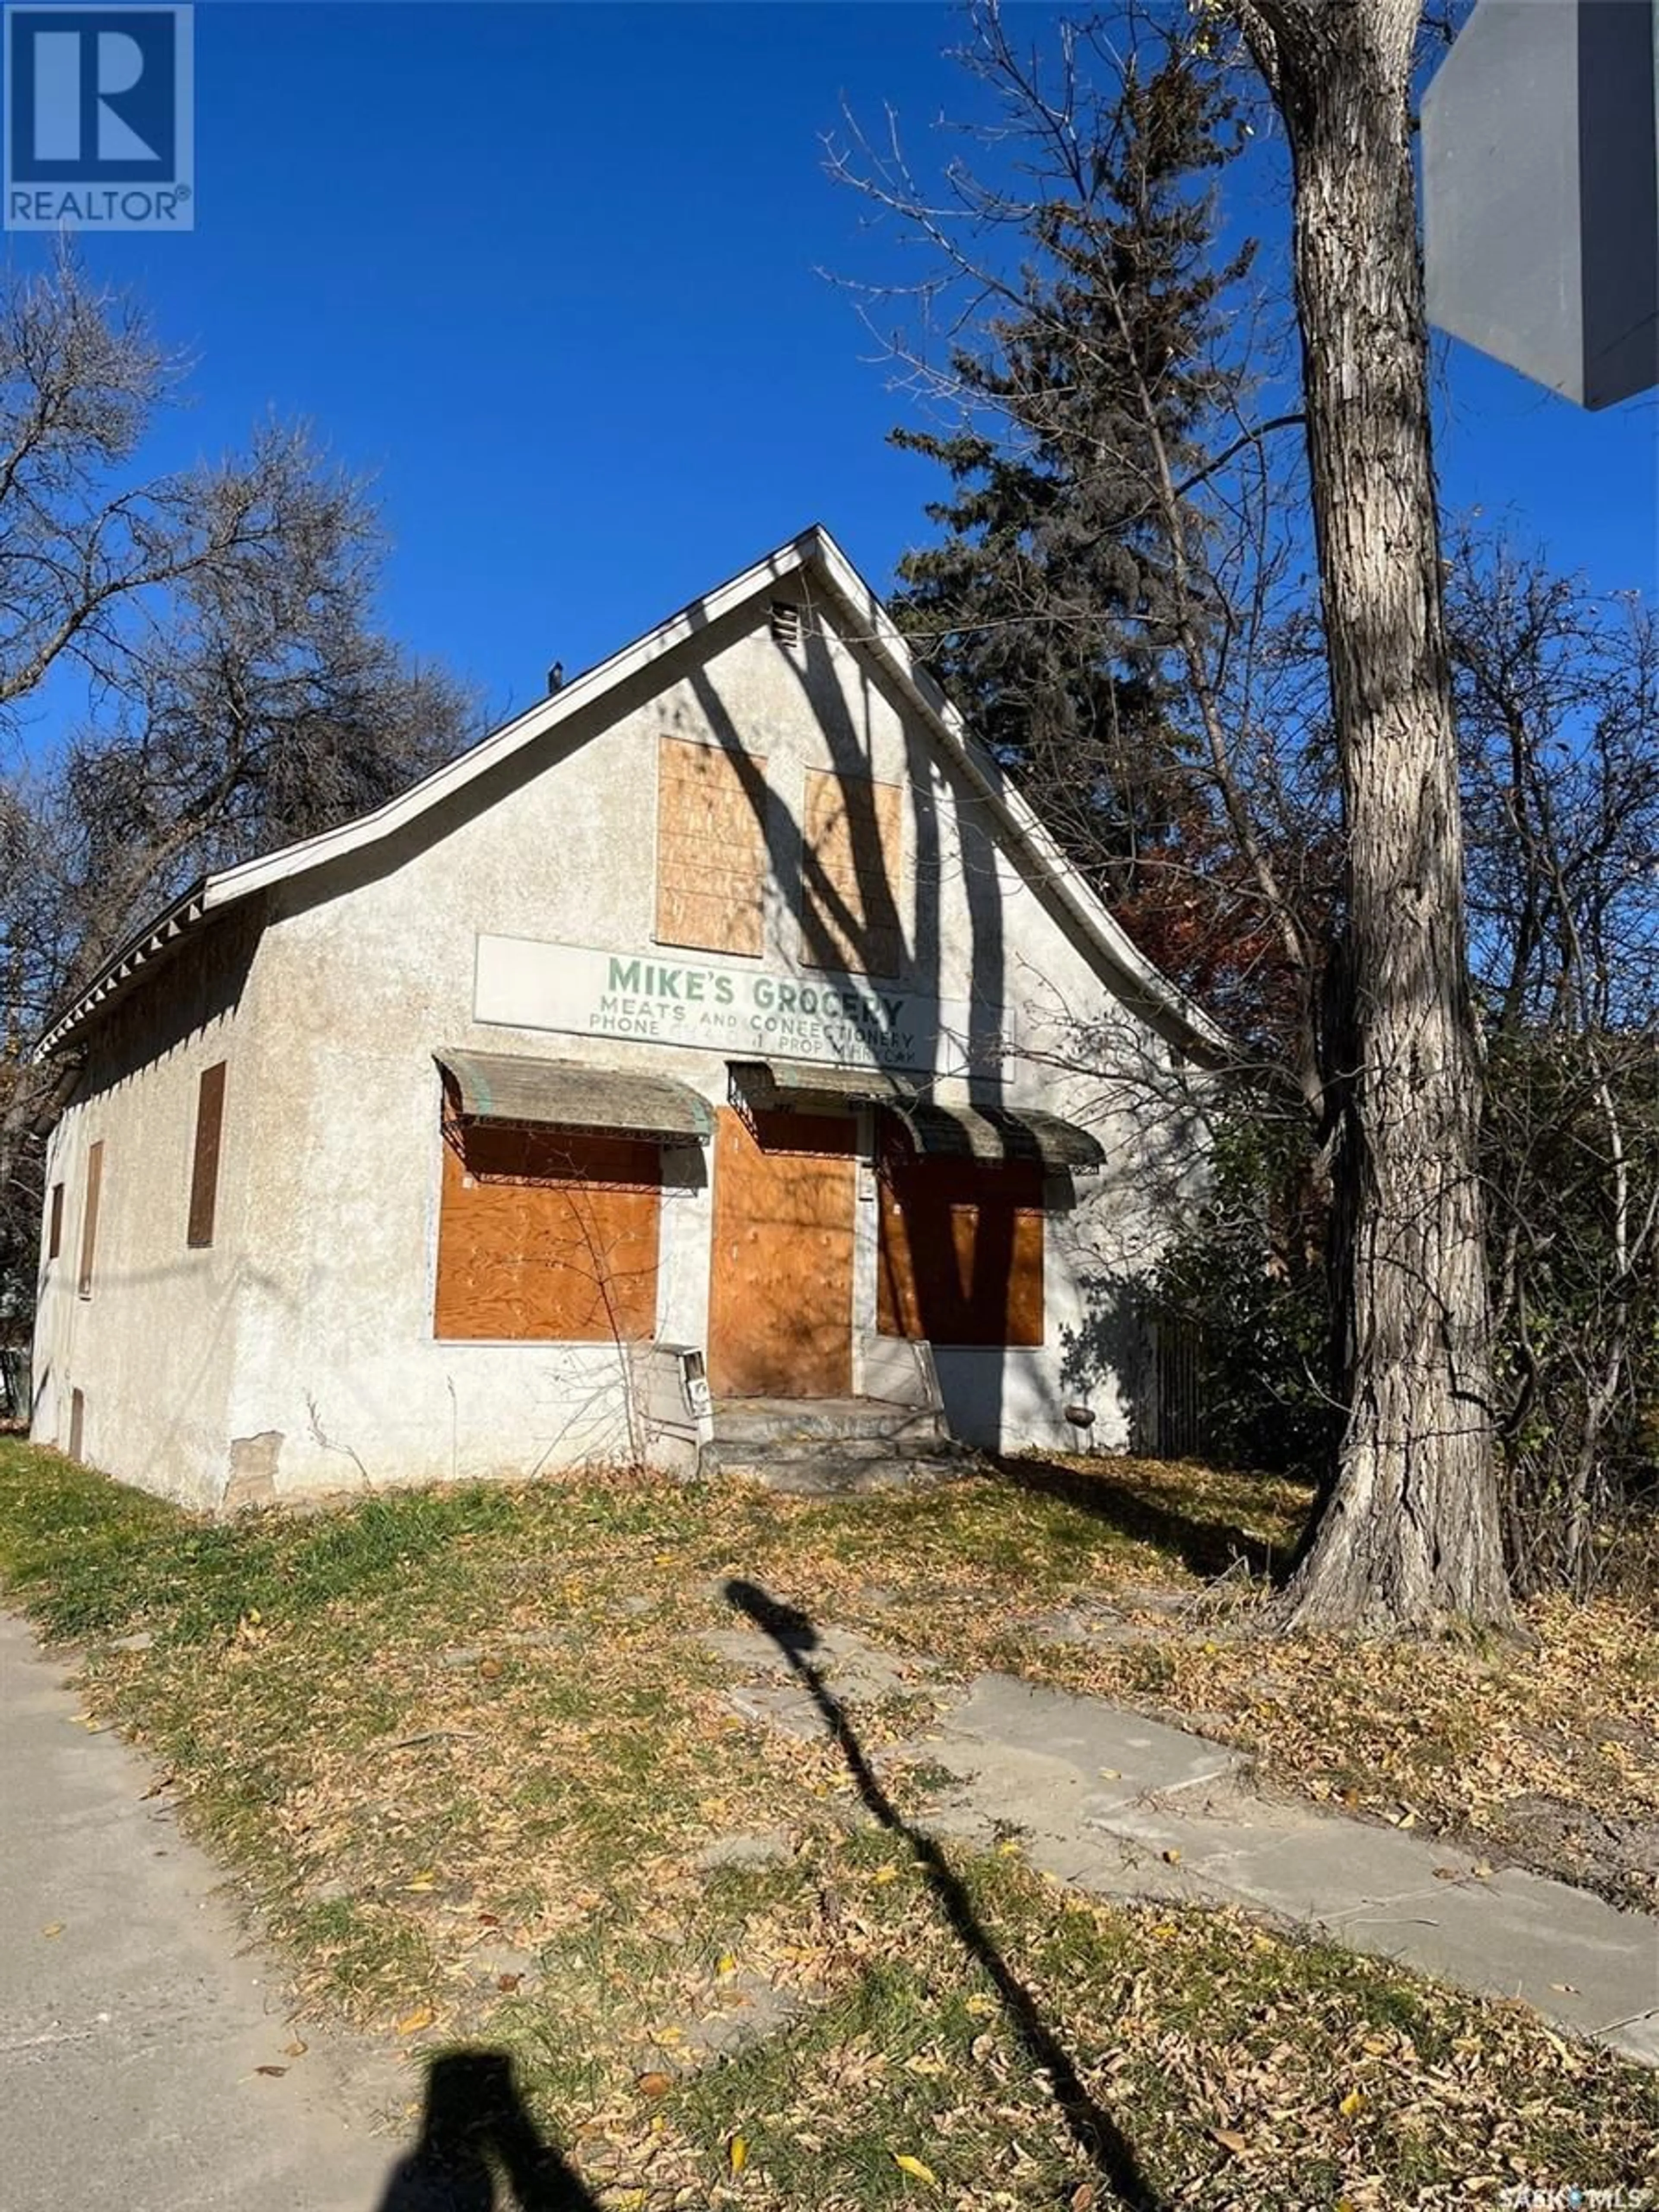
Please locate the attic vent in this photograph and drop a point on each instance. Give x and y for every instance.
(786, 622)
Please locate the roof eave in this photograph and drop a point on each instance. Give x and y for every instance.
(146, 945)
(877, 630)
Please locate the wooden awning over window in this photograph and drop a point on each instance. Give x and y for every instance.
(816, 1084)
(994, 1133)
(498, 1086)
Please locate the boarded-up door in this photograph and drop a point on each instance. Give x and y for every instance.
(780, 1291)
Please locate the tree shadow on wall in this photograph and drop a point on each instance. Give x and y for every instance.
(475, 2132)
(1092, 2128)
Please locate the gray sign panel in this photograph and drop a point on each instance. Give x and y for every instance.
(1540, 187)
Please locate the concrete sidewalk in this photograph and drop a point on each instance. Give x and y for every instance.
(1120, 1806)
(134, 2016)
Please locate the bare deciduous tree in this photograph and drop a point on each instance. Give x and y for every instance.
(214, 632)
(1361, 902)
(1410, 1533)
(1558, 699)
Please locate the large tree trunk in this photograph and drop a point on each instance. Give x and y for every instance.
(1410, 1533)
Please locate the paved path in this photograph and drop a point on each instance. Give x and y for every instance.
(129, 2040)
(1120, 1806)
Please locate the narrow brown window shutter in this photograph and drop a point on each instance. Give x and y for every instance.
(89, 1216)
(204, 1171)
(55, 1235)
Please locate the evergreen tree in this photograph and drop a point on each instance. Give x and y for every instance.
(1049, 609)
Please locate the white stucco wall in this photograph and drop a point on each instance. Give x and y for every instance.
(153, 1349)
(313, 1363)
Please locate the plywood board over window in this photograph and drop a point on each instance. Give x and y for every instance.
(89, 1205)
(711, 847)
(547, 1235)
(852, 868)
(961, 1251)
(204, 1160)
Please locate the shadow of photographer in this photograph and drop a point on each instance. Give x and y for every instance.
(475, 2132)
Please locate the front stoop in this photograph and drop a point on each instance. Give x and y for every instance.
(836, 1447)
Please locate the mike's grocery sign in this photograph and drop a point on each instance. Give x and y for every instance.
(713, 1005)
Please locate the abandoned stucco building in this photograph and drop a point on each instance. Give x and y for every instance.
(724, 1025)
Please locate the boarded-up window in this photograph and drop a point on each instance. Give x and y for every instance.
(854, 834)
(89, 1215)
(961, 1251)
(711, 847)
(77, 1434)
(548, 1235)
(55, 1222)
(205, 1165)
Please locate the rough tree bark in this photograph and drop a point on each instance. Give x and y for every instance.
(1410, 1532)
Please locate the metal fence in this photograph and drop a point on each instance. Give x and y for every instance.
(14, 1383)
(1172, 1418)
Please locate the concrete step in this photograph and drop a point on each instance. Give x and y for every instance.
(831, 1474)
(781, 1451)
(812, 1422)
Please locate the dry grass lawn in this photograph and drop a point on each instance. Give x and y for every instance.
(475, 1763)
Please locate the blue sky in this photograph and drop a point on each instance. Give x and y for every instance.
(549, 272)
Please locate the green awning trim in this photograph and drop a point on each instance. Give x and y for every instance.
(805, 1082)
(499, 1087)
(994, 1133)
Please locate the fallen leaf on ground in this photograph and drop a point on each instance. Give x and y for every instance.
(906, 2164)
(413, 2022)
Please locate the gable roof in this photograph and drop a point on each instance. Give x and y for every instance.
(873, 631)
